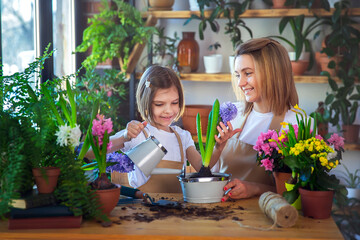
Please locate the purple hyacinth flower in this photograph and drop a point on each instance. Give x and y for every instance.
(124, 164)
(228, 112)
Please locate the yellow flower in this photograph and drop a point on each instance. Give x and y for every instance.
(284, 124)
(297, 107)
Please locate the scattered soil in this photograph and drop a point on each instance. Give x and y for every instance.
(158, 212)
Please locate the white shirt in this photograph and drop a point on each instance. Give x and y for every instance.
(168, 140)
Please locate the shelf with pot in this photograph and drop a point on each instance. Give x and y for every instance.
(252, 13)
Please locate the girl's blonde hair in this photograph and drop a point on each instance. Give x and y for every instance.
(273, 69)
(155, 78)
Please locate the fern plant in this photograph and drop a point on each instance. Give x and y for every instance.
(27, 140)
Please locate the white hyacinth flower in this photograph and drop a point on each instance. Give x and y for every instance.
(62, 135)
(74, 136)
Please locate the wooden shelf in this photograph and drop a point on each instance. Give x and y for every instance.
(226, 77)
(253, 13)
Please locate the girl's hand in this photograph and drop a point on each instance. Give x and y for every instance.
(133, 129)
(224, 134)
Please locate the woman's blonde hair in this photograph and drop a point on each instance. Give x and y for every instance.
(273, 69)
(155, 78)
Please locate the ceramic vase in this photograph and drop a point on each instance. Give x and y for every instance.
(189, 117)
(316, 204)
(46, 178)
(160, 5)
(213, 63)
(188, 53)
(108, 199)
(280, 179)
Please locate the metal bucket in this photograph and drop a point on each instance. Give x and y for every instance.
(203, 189)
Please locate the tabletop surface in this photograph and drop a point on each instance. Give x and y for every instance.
(241, 219)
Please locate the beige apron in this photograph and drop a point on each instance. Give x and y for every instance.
(165, 183)
(239, 158)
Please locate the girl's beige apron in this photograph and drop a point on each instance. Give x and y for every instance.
(239, 158)
(165, 183)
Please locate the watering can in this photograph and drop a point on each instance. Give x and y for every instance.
(147, 155)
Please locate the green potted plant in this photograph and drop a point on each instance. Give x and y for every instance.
(164, 50)
(301, 44)
(231, 11)
(114, 32)
(352, 182)
(344, 96)
(213, 61)
(322, 116)
(29, 139)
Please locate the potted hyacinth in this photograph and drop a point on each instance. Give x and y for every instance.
(205, 186)
(98, 137)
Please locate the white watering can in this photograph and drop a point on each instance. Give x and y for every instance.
(147, 155)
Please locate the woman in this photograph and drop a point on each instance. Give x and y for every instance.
(264, 81)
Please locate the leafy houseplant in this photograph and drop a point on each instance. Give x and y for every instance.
(28, 130)
(165, 48)
(230, 10)
(343, 40)
(213, 62)
(113, 33)
(301, 41)
(352, 180)
(110, 88)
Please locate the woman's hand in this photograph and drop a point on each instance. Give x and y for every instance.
(238, 189)
(133, 129)
(243, 189)
(224, 134)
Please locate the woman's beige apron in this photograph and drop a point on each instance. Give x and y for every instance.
(239, 158)
(165, 183)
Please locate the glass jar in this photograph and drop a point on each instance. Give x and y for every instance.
(188, 53)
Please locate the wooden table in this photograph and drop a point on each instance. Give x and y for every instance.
(246, 211)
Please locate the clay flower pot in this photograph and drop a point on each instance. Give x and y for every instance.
(316, 204)
(46, 178)
(108, 199)
(189, 117)
(280, 180)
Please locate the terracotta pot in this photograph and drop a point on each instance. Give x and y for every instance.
(280, 179)
(108, 199)
(46, 178)
(316, 204)
(279, 4)
(351, 133)
(189, 117)
(299, 67)
(323, 129)
(156, 5)
(188, 53)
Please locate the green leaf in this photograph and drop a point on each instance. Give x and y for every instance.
(199, 134)
(72, 103)
(213, 131)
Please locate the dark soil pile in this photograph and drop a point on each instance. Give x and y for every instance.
(203, 172)
(184, 212)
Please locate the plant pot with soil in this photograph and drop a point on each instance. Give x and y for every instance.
(205, 186)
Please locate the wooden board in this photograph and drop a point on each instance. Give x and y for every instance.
(178, 228)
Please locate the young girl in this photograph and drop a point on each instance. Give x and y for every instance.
(160, 101)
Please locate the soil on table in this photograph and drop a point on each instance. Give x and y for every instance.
(149, 213)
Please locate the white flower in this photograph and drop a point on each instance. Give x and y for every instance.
(62, 135)
(68, 136)
(332, 154)
(74, 136)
